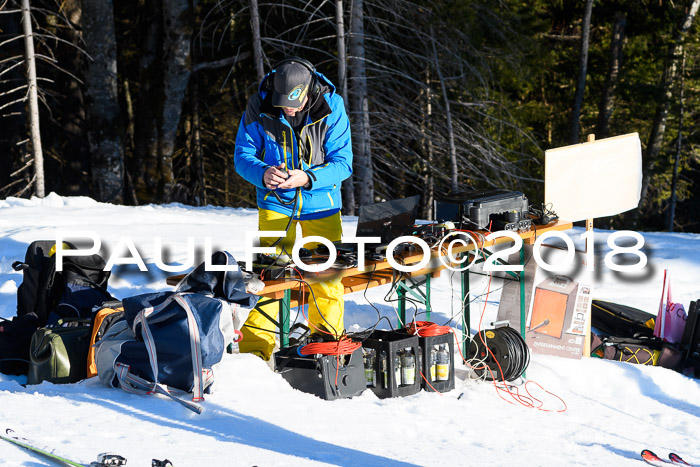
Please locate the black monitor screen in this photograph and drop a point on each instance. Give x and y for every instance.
(388, 220)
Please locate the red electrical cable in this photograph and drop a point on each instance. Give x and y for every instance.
(340, 347)
(427, 329)
(527, 401)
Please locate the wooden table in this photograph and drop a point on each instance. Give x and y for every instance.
(378, 273)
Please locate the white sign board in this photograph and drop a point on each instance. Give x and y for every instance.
(596, 179)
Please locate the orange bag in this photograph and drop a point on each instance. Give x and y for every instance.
(105, 317)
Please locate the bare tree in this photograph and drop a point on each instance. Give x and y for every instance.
(582, 72)
(104, 134)
(454, 182)
(33, 101)
(144, 165)
(342, 56)
(257, 46)
(679, 146)
(605, 108)
(359, 108)
(177, 17)
(165, 71)
(427, 147)
(347, 189)
(195, 153)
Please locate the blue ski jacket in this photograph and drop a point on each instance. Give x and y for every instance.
(322, 149)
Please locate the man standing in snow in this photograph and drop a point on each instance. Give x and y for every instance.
(293, 144)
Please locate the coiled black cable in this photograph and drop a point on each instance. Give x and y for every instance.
(502, 353)
(518, 352)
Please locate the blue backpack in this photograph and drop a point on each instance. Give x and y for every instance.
(169, 342)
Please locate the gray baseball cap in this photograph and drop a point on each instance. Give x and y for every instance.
(291, 81)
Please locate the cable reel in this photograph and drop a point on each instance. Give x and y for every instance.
(505, 354)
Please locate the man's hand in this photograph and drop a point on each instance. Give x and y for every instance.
(274, 176)
(296, 179)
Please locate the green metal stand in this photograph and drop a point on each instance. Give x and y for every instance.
(466, 311)
(259, 309)
(285, 314)
(522, 293)
(522, 296)
(401, 293)
(412, 287)
(428, 306)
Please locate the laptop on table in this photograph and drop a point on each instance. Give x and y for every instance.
(386, 220)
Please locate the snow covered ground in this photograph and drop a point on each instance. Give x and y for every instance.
(613, 410)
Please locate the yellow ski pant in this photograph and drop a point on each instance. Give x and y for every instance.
(326, 303)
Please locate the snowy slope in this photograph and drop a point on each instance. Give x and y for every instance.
(613, 410)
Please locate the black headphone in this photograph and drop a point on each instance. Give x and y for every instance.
(309, 66)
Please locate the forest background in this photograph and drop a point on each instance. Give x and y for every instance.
(139, 101)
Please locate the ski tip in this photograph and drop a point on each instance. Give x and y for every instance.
(650, 458)
(676, 459)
